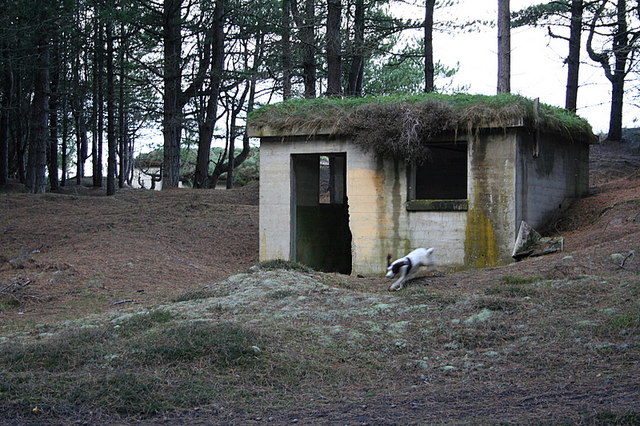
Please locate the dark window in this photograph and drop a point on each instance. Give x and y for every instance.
(443, 176)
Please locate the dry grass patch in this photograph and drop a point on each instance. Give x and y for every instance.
(399, 125)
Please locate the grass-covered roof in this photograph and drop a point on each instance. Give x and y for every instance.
(400, 125)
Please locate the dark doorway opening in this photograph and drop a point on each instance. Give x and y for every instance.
(320, 226)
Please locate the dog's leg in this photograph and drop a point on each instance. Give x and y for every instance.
(400, 281)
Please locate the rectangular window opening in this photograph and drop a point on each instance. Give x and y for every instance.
(440, 182)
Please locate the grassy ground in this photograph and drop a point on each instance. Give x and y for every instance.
(555, 339)
(293, 345)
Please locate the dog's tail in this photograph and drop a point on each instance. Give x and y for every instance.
(388, 260)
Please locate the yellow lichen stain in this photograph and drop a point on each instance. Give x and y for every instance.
(370, 210)
(480, 248)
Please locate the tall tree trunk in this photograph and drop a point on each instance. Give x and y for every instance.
(81, 139)
(623, 44)
(286, 49)
(615, 115)
(39, 135)
(5, 109)
(504, 47)
(111, 113)
(52, 152)
(21, 117)
(621, 51)
(130, 142)
(429, 69)
(65, 136)
(123, 150)
(232, 150)
(573, 59)
(356, 72)
(306, 25)
(334, 57)
(98, 104)
(201, 176)
(79, 117)
(236, 109)
(174, 98)
(173, 113)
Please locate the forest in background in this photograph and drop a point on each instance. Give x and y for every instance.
(83, 77)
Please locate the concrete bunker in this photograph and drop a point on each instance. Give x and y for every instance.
(343, 182)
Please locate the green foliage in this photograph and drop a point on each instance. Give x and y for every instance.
(246, 173)
(514, 279)
(132, 369)
(221, 345)
(403, 73)
(398, 125)
(284, 264)
(144, 321)
(514, 286)
(393, 77)
(540, 14)
(249, 171)
(7, 303)
(628, 323)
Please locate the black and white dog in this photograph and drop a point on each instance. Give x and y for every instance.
(408, 266)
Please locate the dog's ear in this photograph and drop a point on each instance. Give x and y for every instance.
(399, 264)
(388, 260)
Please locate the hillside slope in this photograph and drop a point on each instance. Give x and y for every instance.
(81, 251)
(186, 331)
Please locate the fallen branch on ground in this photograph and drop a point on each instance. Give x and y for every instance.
(619, 203)
(15, 285)
(120, 302)
(631, 255)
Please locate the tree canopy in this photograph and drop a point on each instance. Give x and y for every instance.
(80, 79)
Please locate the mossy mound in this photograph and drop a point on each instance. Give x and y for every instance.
(400, 125)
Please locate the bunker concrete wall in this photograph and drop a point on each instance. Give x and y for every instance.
(551, 173)
(511, 177)
(377, 195)
(381, 225)
(275, 202)
(491, 229)
(379, 221)
(479, 237)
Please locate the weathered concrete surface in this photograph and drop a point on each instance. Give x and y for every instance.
(512, 176)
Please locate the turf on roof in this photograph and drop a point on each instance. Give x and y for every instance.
(399, 125)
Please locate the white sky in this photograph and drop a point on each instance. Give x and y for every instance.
(537, 68)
